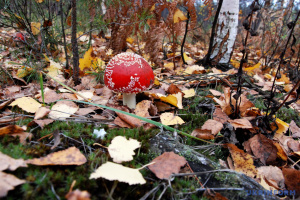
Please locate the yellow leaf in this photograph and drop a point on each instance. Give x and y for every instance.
(129, 40)
(169, 65)
(236, 64)
(112, 171)
(168, 118)
(282, 126)
(187, 59)
(88, 61)
(156, 81)
(153, 7)
(179, 16)
(249, 70)
(22, 72)
(54, 69)
(27, 103)
(46, 58)
(35, 27)
(39, 1)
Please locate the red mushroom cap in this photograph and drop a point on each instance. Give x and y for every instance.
(20, 37)
(128, 73)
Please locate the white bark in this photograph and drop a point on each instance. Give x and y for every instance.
(129, 100)
(226, 31)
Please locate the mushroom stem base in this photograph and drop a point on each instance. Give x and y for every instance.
(129, 100)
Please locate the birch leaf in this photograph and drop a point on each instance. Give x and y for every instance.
(112, 171)
(122, 149)
(27, 103)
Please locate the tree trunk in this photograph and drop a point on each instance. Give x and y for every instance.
(226, 32)
(74, 45)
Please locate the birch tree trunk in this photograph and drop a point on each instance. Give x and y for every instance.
(226, 32)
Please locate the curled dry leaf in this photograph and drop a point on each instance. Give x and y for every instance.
(8, 182)
(70, 156)
(142, 108)
(63, 109)
(11, 129)
(241, 123)
(9, 163)
(294, 129)
(27, 103)
(112, 171)
(214, 126)
(169, 118)
(122, 150)
(243, 162)
(262, 148)
(167, 164)
(273, 174)
(202, 134)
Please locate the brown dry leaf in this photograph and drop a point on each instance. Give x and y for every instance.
(142, 108)
(50, 96)
(88, 94)
(220, 116)
(262, 148)
(27, 103)
(202, 134)
(122, 150)
(167, 164)
(11, 129)
(22, 136)
(214, 126)
(173, 89)
(245, 104)
(294, 129)
(280, 151)
(240, 123)
(9, 163)
(112, 171)
(212, 195)
(43, 122)
(215, 92)
(243, 162)
(85, 111)
(161, 107)
(70, 156)
(118, 121)
(132, 121)
(8, 182)
(169, 118)
(78, 195)
(273, 174)
(63, 109)
(5, 103)
(292, 179)
(41, 112)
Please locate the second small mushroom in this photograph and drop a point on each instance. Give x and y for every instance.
(129, 74)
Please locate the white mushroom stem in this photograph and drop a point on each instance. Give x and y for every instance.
(129, 100)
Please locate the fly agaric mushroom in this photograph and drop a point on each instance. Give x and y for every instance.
(20, 37)
(129, 74)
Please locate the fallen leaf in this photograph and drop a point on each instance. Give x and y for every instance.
(240, 123)
(62, 110)
(113, 171)
(189, 93)
(292, 179)
(282, 126)
(8, 182)
(118, 121)
(220, 116)
(11, 129)
(122, 150)
(43, 122)
(27, 103)
(213, 126)
(142, 108)
(41, 112)
(88, 94)
(243, 162)
(194, 69)
(262, 148)
(70, 156)
(84, 111)
(54, 69)
(202, 134)
(215, 92)
(168, 118)
(9, 163)
(167, 164)
(272, 173)
(50, 96)
(294, 129)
